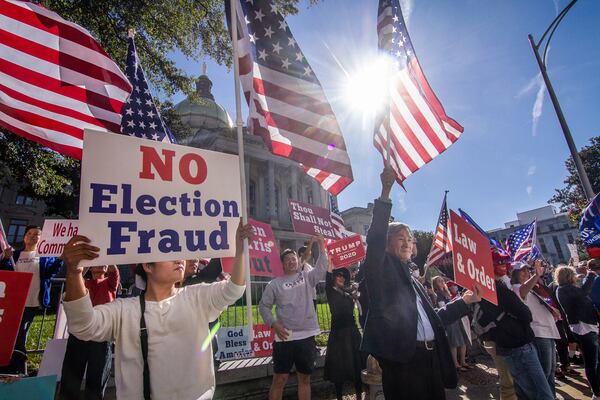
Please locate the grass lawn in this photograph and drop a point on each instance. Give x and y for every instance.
(34, 359)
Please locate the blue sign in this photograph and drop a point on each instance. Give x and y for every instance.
(589, 227)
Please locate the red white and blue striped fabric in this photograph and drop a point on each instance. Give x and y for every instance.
(55, 79)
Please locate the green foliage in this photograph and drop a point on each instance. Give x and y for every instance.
(571, 197)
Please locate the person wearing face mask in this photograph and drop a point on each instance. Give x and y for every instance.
(295, 324)
(402, 330)
(89, 356)
(153, 333)
(343, 361)
(510, 342)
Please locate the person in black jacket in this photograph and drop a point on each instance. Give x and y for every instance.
(582, 318)
(513, 338)
(402, 330)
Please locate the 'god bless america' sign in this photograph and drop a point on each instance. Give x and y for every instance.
(143, 200)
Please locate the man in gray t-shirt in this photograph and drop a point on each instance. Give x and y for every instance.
(295, 324)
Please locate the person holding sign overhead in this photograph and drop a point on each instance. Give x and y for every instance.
(296, 322)
(154, 333)
(402, 330)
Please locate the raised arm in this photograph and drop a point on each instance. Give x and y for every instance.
(317, 274)
(113, 277)
(238, 273)
(76, 250)
(531, 282)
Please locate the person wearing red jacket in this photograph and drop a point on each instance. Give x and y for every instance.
(102, 287)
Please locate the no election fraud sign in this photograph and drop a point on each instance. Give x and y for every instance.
(157, 201)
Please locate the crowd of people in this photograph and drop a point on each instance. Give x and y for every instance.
(418, 330)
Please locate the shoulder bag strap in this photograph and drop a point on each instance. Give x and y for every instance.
(144, 342)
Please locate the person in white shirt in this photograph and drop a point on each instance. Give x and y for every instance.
(175, 321)
(529, 288)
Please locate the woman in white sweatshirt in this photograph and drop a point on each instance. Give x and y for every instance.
(176, 321)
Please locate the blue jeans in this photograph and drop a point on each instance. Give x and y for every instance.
(528, 375)
(547, 356)
(589, 350)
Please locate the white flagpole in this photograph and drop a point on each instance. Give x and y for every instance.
(240, 138)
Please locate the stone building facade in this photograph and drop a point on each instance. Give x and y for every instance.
(17, 210)
(270, 180)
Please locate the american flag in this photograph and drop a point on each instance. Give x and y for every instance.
(3, 241)
(589, 227)
(521, 243)
(287, 106)
(415, 120)
(496, 247)
(55, 79)
(441, 242)
(336, 218)
(140, 116)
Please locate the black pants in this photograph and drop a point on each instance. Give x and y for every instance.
(418, 378)
(79, 353)
(562, 345)
(589, 350)
(18, 359)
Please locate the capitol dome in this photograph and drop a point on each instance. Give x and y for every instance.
(201, 111)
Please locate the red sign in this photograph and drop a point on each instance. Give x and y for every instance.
(472, 258)
(264, 254)
(346, 251)
(310, 219)
(262, 344)
(13, 293)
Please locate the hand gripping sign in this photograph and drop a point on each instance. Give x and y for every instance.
(14, 287)
(346, 251)
(143, 200)
(472, 258)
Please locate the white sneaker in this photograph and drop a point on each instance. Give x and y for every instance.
(594, 397)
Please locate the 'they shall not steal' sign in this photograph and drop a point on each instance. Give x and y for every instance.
(143, 200)
(310, 219)
(472, 258)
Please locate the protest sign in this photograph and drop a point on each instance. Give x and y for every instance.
(143, 200)
(262, 342)
(53, 357)
(55, 234)
(264, 254)
(310, 219)
(233, 343)
(347, 251)
(14, 287)
(472, 258)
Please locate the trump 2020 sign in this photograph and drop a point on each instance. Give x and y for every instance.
(144, 201)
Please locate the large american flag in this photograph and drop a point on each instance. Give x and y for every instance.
(140, 116)
(441, 242)
(521, 243)
(55, 79)
(415, 120)
(287, 106)
(336, 219)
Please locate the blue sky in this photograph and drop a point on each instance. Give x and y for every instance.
(477, 58)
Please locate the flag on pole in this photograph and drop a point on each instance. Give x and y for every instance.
(521, 243)
(336, 219)
(140, 115)
(441, 242)
(415, 120)
(589, 227)
(55, 79)
(287, 106)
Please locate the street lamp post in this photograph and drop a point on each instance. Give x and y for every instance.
(585, 182)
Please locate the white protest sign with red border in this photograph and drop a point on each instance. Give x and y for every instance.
(472, 258)
(14, 287)
(143, 200)
(310, 219)
(264, 254)
(347, 251)
(55, 235)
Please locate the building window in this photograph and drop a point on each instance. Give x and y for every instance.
(566, 226)
(23, 200)
(16, 231)
(289, 192)
(551, 227)
(252, 198)
(543, 245)
(559, 251)
(570, 238)
(309, 196)
(277, 199)
(365, 229)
